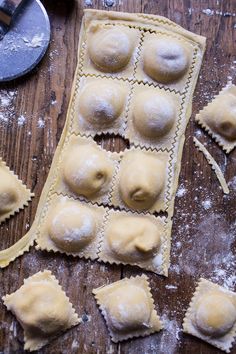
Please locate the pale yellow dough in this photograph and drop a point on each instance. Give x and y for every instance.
(128, 309)
(142, 179)
(87, 170)
(133, 238)
(9, 193)
(211, 315)
(219, 118)
(70, 226)
(100, 104)
(154, 113)
(215, 314)
(165, 59)
(42, 309)
(136, 239)
(13, 194)
(110, 49)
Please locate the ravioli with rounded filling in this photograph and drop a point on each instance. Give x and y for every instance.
(101, 103)
(133, 238)
(87, 170)
(165, 59)
(221, 116)
(72, 226)
(215, 314)
(154, 114)
(110, 49)
(128, 308)
(9, 195)
(142, 180)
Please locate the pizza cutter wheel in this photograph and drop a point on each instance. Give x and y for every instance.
(24, 36)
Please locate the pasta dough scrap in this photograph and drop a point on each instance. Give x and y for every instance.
(42, 308)
(214, 165)
(211, 315)
(71, 227)
(218, 118)
(128, 309)
(142, 180)
(134, 239)
(86, 170)
(13, 193)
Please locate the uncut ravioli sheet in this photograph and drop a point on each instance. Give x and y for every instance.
(129, 81)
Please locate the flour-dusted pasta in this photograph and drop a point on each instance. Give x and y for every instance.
(128, 308)
(218, 118)
(211, 315)
(13, 193)
(42, 308)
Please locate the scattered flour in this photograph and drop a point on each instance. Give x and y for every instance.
(88, 2)
(207, 204)
(208, 12)
(181, 192)
(109, 3)
(171, 287)
(170, 337)
(232, 184)
(75, 344)
(35, 42)
(40, 123)
(21, 120)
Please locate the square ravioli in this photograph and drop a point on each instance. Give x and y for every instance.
(165, 60)
(71, 227)
(218, 118)
(13, 193)
(153, 117)
(100, 106)
(141, 183)
(211, 315)
(135, 239)
(42, 308)
(86, 170)
(110, 50)
(128, 308)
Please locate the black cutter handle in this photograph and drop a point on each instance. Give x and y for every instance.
(8, 8)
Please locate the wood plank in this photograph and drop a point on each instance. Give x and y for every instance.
(202, 238)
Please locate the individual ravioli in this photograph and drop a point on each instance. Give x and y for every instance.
(101, 102)
(13, 194)
(212, 315)
(128, 309)
(154, 113)
(42, 308)
(134, 239)
(87, 170)
(110, 48)
(219, 118)
(165, 59)
(142, 180)
(71, 227)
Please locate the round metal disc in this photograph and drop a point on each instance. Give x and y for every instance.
(25, 44)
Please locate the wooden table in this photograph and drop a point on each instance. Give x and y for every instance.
(33, 111)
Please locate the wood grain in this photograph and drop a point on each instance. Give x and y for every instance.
(203, 239)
